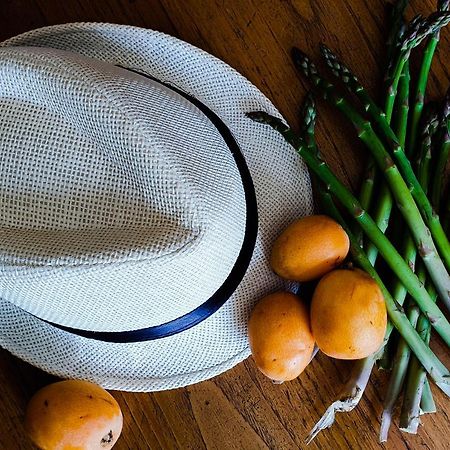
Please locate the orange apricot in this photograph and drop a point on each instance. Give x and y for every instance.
(309, 248)
(348, 314)
(280, 336)
(73, 415)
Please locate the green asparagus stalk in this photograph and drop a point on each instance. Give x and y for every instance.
(392, 392)
(409, 417)
(402, 356)
(432, 364)
(443, 154)
(430, 128)
(410, 410)
(423, 80)
(383, 210)
(415, 392)
(397, 29)
(384, 199)
(353, 85)
(400, 190)
(397, 377)
(418, 29)
(365, 195)
(427, 404)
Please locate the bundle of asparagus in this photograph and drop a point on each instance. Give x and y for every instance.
(410, 148)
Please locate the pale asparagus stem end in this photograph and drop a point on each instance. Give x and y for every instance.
(349, 396)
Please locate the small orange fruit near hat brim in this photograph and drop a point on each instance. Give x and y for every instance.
(280, 336)
(309, 248)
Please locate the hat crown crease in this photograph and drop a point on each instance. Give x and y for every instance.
(168, 206)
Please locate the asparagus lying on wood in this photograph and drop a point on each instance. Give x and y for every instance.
(418, 29)
(422, 81)
(430, 128)
(384, 207)
(397, 377)
(402, 356)
(443, 154)
(383, 210)
(427, 404)
(399, 188)
(432, 364)
(409, 417)
(431, 219)
(384, 203)
(414, 389)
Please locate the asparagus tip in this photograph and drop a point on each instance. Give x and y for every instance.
(302, 61)
(257, 116)
(308, 116)
(325, 50)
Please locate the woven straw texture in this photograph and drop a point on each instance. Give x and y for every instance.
(118, 247)
(114, 196)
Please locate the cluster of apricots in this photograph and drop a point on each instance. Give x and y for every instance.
(346, 317)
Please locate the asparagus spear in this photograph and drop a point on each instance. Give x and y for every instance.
(402, 356)
(409, 417)
(443, 5)
(397, 29)
(308, 115)
(414, 391)
(418, 29)
(400, 190)
(427, 404)
(384, 200)
(397, 377)
(442, 155)
(365, 196)
(435, 368)
(352, 83)
(430, 128)
(383, 210)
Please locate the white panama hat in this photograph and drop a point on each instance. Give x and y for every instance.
(138, 205)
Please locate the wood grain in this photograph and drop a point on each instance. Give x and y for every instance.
(241, 409)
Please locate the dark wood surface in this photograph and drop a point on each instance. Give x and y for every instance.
(241, 409)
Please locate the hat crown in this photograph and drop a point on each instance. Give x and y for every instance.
(125, 186)
(120, 172)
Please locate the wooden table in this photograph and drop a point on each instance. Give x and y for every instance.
(241, 409)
